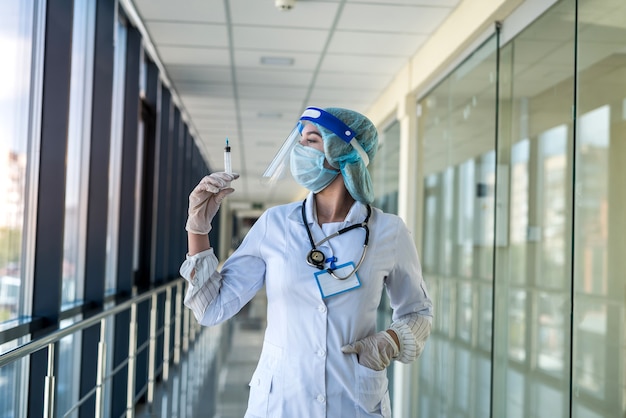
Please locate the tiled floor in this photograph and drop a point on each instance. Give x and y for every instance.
(197, 388)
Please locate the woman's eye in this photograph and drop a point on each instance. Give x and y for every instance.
(309, 141)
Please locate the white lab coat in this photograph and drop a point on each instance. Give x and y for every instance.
(302, 371)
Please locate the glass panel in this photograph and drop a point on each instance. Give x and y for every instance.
(465, 220)
(465, 312)
(76, 183)
(21, 40)
(67, 377)
(551, 216)
(484, 222)
(533, 235)
(517, 320)
(17, 21)
(599, 348)
(115, 161)
(457, 128)
(385, 169)
(431, 223)
(485, 308)
(13, 387)
(79, 130)
(446, 257)
(519, 211)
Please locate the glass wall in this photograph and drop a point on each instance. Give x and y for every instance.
(77, 176)
(385, 168)
(21, 33)
(458, 131)
(17, 48)
(533, 266)
(538, 209)
(115, 160)
(53, 253)
(599, 236)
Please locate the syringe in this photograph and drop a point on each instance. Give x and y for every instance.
(227, 163)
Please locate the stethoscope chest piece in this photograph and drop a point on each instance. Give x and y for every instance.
(315, 258)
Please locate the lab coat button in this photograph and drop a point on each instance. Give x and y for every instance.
(321, 398)
(321, 308)
(321, 353)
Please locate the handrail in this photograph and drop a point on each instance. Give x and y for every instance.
(36, 345)
(179, 324)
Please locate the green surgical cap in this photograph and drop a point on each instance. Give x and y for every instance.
(343, 156)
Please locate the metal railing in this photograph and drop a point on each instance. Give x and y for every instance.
(184, 332)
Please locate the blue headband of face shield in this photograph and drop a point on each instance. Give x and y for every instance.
(323, 118)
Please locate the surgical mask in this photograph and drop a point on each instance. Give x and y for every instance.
(307, 168)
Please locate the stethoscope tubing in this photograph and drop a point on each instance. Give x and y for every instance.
(320, 265)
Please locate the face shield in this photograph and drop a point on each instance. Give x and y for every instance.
(320, 117)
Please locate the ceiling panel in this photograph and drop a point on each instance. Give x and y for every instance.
(375, 43)
(200, 73)
(189, 34)
(361, 64)
(279, 39)
(391, 18)
(274, 77)
(352, 81)
(182, 10)
(196, 56)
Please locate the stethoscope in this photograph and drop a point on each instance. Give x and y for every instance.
(316, 258)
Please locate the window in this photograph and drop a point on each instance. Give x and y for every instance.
(115, 161)
(21, 33)
(458, 131)
(385, 169)
(79, 132)
(17, 48)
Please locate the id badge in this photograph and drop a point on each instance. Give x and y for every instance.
(329, 286)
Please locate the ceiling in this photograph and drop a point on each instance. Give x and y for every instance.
(245, 70)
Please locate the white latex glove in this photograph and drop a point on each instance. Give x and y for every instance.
(375, 351)
(205, 200)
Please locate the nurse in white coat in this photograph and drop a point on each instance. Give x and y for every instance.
(325, 264)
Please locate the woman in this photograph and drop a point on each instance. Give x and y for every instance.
(325, 263)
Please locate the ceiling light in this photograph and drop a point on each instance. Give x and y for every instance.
(277, 61)
(284, 4)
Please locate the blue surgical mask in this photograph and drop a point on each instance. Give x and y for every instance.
(307, 168)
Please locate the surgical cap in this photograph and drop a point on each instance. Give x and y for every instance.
(343, 156)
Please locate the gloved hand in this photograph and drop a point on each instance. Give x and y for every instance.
(205, 200)
(375, 351)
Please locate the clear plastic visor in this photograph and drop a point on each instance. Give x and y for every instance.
(276, 169)
(313, 114)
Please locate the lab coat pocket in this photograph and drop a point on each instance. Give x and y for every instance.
(260, 388)
(263, 382)
(373, 394)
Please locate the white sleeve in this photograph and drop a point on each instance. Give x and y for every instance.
(412, 331)
(200, 270)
